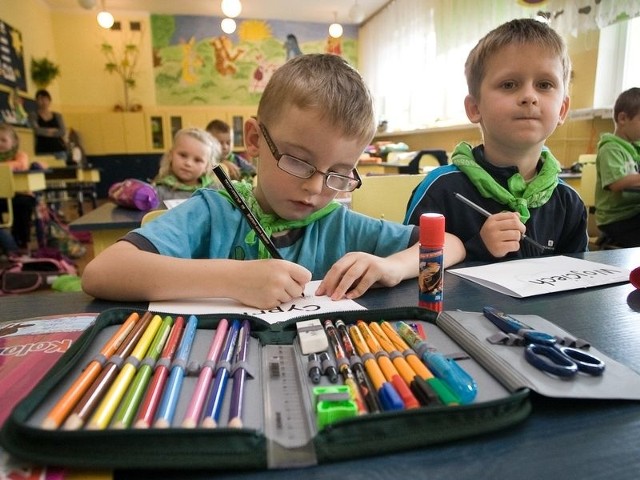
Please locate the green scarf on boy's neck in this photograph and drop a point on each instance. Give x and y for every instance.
(173, 183)
(520, 195)
(270, 222)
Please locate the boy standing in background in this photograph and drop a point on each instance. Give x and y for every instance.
(518, 77)
(617, 165)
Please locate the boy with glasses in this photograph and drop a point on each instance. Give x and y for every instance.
(314, 119)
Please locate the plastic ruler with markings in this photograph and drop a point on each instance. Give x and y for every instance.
(289, 422)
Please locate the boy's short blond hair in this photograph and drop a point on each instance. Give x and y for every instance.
(525, 31)
(200, 135)
(628, 102)
(325, 83)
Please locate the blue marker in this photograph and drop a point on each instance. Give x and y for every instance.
(211, 415)
(167, 407)
(442, 367)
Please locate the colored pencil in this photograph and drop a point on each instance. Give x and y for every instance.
(152, 396)
(239, 376)
(211, 414)
(171, 394)
(126, 411)
(364, 382)
(111, 399)
(194, 409)
(388, 369)
(343, 366)
(63, 407)
(93, 395)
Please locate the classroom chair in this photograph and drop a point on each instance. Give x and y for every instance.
(151, 215)
(385, 196)
(7, 192)
(424, 158)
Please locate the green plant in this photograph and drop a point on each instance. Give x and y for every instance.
(43, 71)
(124, 64)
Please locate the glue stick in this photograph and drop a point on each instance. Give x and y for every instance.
(430, 278)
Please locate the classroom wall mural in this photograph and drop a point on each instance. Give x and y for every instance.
(195, 63)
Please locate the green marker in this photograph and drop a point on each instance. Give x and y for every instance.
(127, 409)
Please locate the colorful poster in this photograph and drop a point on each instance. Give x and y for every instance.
(195, 63)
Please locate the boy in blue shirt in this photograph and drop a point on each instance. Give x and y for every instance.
(314, 120)
(518, 77)
(618, 167)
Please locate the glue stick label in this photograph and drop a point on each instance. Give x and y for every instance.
(430, 278)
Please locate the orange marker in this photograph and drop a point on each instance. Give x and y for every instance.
(390, 372)
(71, 397)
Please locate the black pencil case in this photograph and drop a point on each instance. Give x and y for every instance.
(267, 439)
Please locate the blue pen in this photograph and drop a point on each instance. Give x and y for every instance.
(442, 367)
(212, 411)
(167, 407)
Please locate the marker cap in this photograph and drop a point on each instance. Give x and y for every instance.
(432, 230)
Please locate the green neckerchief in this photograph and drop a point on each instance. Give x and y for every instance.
(272, 223)
(521, 195)
(632, 148)
(172, 182)
(9, 154)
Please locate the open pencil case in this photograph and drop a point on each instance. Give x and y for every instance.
(280, 428)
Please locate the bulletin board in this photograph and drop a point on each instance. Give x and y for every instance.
(12, 72)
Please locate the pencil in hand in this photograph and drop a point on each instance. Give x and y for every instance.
(487, 214)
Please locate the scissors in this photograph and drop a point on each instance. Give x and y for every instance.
(542, 350)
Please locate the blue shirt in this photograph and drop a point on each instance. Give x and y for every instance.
(209, 226)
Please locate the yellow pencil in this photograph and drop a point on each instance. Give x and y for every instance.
(102, 416)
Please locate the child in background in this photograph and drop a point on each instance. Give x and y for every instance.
(187, 166)
(314, 120)
(238, 167)
(24, 203)
(618, 165)
(518, 77)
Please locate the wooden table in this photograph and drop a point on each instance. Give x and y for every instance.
(107, 224)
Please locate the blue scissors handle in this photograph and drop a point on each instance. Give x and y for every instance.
(563, 361)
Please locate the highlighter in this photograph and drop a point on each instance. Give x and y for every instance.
(442, 367)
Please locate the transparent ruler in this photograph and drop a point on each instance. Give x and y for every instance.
(288, 413)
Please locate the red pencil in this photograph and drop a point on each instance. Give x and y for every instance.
(89, 401)
(151, 399)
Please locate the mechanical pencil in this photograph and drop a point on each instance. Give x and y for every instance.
(364, 382)
(444, 368)
(239, 376)
(343, 366)
(487, 214)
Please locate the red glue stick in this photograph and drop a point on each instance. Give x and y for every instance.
(430, 278)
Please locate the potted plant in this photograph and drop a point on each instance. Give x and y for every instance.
(43, 71)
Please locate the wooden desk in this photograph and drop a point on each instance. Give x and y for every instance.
(107, 224)
(585, 439)
(573, 179)
(29, 181)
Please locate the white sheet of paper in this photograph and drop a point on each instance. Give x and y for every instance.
(537, 276)
(308, 305)
(173, 202)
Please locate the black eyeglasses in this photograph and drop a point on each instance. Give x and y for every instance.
(301, 169)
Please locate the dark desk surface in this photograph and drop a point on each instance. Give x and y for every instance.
(108, 216)
(561, 438)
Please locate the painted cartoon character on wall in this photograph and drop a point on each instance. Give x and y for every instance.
(334, 45)
(190, 63)
(225, 55)
(261, 74)
(291, 47)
